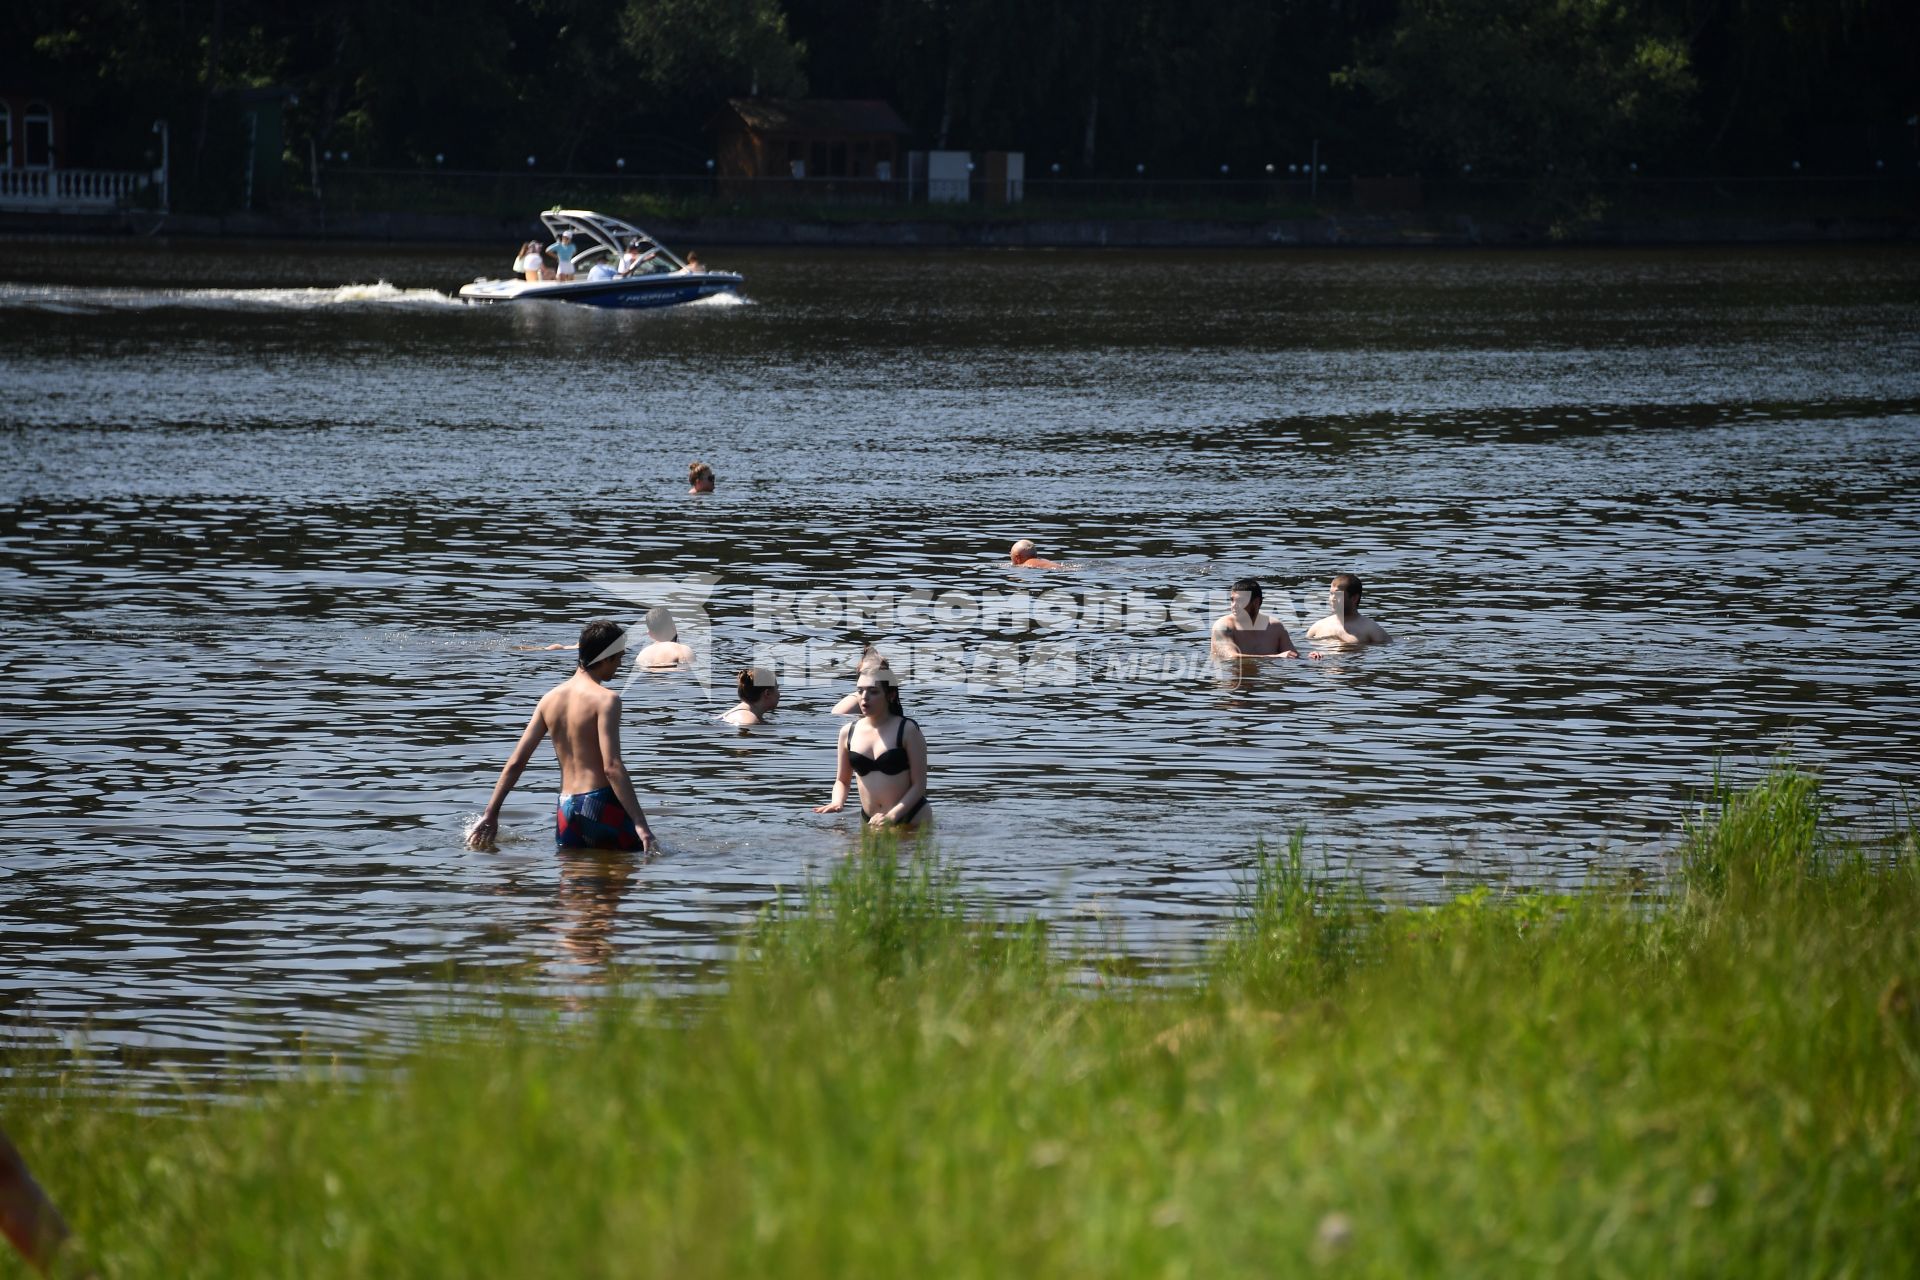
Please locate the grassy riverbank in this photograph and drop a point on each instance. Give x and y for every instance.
(1720, 1080)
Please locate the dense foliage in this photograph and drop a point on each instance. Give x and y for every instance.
(1520, 88)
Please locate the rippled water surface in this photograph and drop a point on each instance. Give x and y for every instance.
(269, 544)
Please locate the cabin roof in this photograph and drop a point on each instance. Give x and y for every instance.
(816, 115)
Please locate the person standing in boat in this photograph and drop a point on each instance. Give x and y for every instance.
(531, 263)
(887, 754)
(562, 251)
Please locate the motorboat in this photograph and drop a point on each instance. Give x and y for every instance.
(662, 278)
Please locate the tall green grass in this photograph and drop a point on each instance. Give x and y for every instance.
(1717, 1079)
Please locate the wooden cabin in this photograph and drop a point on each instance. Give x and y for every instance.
(809, 138)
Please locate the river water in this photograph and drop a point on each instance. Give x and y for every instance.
(276, 519)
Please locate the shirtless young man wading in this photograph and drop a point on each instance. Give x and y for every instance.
(597, 808)
(1245, 632)
(1346, 624)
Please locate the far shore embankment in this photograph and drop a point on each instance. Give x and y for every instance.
(1348, 230)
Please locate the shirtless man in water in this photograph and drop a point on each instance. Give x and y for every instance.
(597, 808)
(1346, 624)
(1022, 555)
(663, 648)
(1245, 632)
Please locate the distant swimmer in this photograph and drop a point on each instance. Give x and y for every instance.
(1023, 557)
(663, 649)
(597, 808)
(1346, 624)
(869, 661)
(759, 695)
(699, 478)
(1245, 632)
(887, 753)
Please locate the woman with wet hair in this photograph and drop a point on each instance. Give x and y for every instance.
(870, 660)
(699, 478)
(759, 695)
(886, 754)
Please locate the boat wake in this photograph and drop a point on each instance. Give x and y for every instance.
(85, 300)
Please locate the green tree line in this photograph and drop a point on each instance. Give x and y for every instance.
(1514, 88)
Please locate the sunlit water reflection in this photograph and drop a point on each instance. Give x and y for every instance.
(270, 541)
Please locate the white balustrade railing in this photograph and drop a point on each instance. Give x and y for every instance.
(78, 190)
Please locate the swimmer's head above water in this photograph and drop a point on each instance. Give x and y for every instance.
(1246, 596)
(1343, 595)
(601, 641)
(758, 689)
(1021, 551)
(660, 624)
(699, 478)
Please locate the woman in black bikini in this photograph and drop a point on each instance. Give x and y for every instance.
(887, 752)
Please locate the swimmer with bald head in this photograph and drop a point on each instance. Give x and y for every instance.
(1245, 632)
(663, 649)
(1023, 557)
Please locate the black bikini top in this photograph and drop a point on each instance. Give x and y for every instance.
(892, 760)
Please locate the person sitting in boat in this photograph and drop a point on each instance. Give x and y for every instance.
(639, 253)
(694, 266)
(562, 251)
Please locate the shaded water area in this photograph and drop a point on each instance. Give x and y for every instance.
(268, 545)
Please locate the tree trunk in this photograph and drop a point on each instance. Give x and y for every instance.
(206, 99)
(1086, 143)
